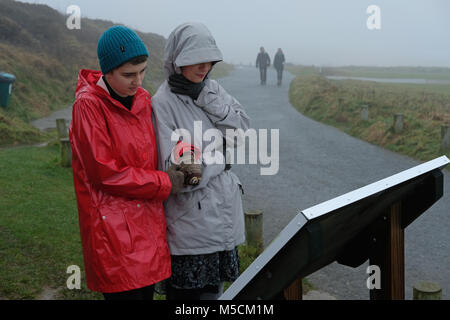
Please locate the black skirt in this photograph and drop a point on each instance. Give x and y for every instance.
(199, 271)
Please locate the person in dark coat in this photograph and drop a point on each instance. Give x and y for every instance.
(278, 63)
(262, 62)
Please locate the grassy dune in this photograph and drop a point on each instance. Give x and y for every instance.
(338, 103)
(431, 73)
(45, 57)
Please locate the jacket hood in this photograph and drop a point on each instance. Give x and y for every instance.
(87, 80)
(190, 43)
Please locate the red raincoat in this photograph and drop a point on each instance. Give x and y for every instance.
(119, 191)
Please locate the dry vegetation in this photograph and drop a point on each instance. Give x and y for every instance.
(425, 109)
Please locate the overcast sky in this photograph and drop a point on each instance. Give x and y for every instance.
(319, 32)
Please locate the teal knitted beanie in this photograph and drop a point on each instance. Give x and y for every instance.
(118, 45)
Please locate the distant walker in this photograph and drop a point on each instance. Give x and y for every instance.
(278, 63)
(262, 62)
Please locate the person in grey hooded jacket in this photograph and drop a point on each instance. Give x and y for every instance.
(205, 222)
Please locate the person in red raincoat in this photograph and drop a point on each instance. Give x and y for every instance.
(119, 190)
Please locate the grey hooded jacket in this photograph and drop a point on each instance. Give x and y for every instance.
(208, 217)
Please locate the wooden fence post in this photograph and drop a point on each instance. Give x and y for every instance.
(427, 291)
(398, 123)
(66, 153)
(445, 137)
(254, 229)
(294, 291)
(364, 112)
(388, 253)
(61, 128)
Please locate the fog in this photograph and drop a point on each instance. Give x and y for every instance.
(321, 32)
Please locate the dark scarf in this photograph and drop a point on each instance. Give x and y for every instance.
(179, 84)
(127, 102)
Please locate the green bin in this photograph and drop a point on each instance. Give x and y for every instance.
(6, 82)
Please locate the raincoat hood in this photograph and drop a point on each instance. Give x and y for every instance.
(188, 44)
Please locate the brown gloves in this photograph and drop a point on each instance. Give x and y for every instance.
(184, 174)
(192, 173)
(176, 178)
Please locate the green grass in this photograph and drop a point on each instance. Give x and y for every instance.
(39, 232)
(15, 131)
(429, 73)
(338, 103)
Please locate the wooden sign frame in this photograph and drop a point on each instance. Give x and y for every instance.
(367, 223)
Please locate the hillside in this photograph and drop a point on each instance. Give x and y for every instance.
(45, 57)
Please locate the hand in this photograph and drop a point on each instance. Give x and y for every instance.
(192, 173)
(176, 178)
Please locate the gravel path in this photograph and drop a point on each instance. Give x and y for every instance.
(318, 163)
(50, 121)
